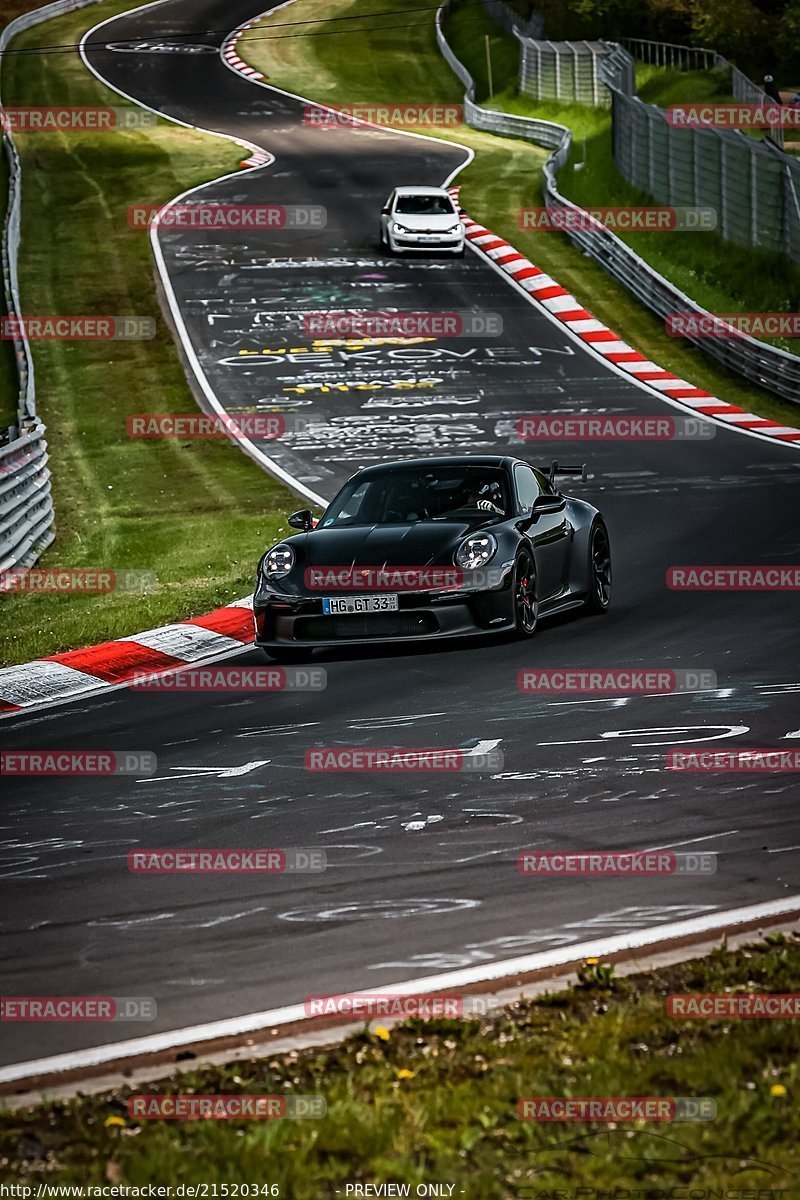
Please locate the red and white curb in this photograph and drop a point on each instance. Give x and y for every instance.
(562, 305)
(259, 158)
(95, 669)
(229, 53)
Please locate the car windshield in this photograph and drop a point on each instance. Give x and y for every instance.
(405, 496)
(424, 206)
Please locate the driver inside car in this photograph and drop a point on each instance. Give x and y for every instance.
(489, 497)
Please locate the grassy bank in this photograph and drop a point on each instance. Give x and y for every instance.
(437, 1102)
(197, 513)
(375, 60)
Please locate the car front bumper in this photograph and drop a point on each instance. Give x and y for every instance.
(402, 242)
(283, 620)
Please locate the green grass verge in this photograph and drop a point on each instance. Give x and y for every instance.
(658, 85)
(197, 513)
(376, 61)
(437, 1102)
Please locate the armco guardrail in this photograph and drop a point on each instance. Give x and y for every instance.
(26, 506)
(543, 133)
(765, 365)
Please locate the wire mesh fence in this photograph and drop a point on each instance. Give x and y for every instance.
(765, 365)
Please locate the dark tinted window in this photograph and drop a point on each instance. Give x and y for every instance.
(528, 486)
(424, 206)
(468, 493)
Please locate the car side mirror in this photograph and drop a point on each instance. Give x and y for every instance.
(302, 519)
(547, 504)
(385, 210)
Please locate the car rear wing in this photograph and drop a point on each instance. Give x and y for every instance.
(557, 468)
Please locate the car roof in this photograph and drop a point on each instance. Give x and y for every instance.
(422, 190)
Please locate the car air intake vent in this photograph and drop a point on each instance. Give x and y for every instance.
(365, 625)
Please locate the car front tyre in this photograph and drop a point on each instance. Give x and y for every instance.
(525, 599)
(598, 593)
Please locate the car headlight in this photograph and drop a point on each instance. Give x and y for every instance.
(399, 228)
(278, 562)
(456, 229)
(476, 551)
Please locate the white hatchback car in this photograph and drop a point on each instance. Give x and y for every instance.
(421, 218)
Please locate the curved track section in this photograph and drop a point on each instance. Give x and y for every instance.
(422, 871)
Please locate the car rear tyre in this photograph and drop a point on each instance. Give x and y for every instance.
(288, 654)
(598, 596)
(526, 602)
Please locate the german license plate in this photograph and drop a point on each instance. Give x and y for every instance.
(334, 606)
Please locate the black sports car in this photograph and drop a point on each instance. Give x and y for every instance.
(432, 548)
